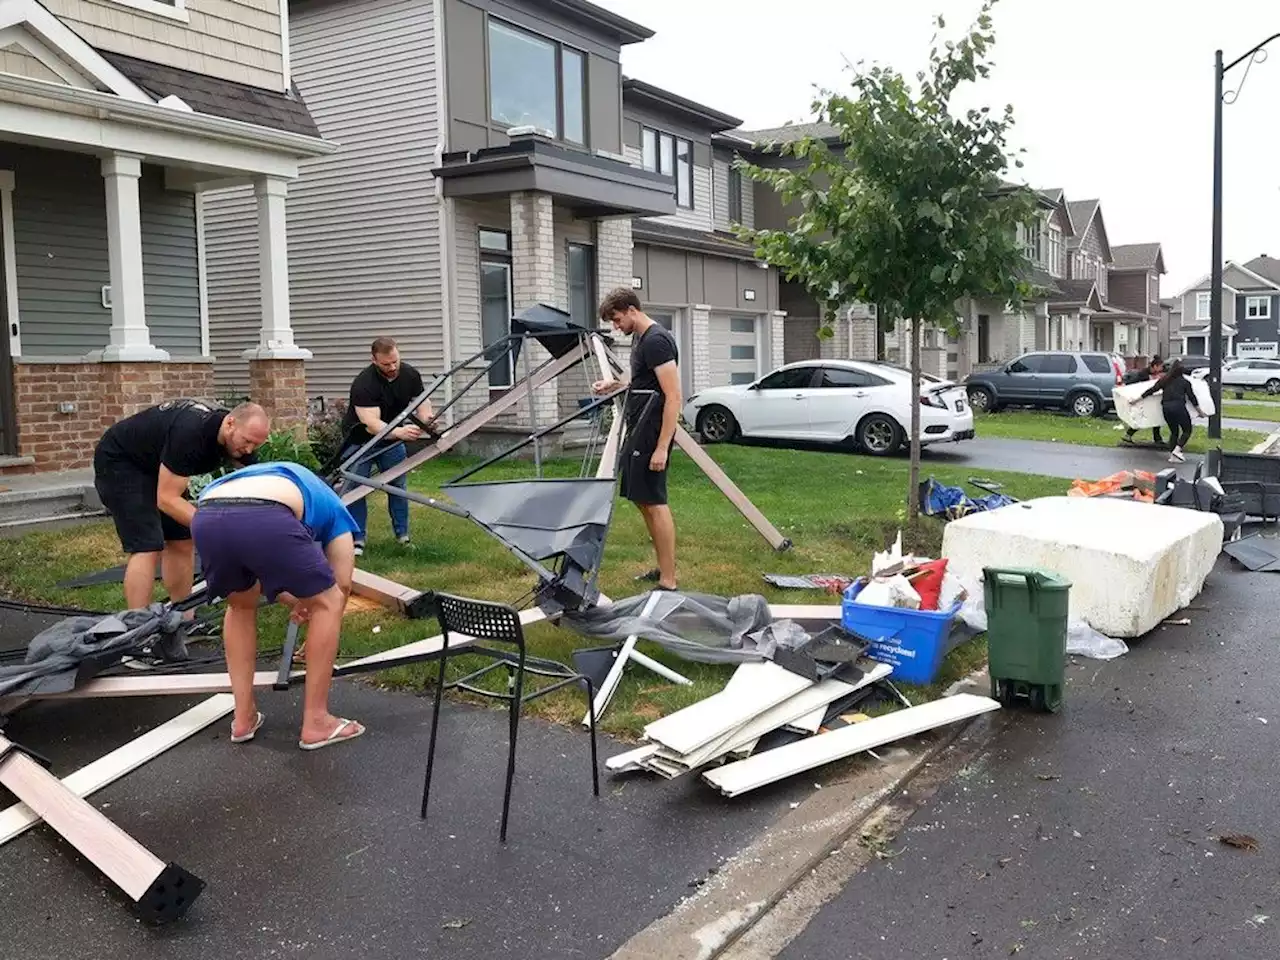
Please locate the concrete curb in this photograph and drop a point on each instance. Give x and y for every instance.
(748, 886)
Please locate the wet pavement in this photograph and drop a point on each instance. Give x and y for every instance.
(1092, 834)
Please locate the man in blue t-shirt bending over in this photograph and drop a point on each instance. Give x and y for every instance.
(276, 529)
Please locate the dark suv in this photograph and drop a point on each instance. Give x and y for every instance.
(1078, 382)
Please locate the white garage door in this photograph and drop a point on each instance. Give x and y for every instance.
(736, 353)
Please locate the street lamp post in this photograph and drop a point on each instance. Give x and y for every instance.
(1213, 455)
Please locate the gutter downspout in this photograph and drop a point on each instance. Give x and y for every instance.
(446, 217)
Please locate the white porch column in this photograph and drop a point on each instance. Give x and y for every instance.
(129, 338)
(275, 340)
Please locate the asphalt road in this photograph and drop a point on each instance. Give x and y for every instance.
(1091, 835)
(1065, 460)
(322, 855)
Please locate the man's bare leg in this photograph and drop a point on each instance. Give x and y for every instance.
(240, 638)
(177, 566)
(323, 628)
(662, 531)
(140, 580)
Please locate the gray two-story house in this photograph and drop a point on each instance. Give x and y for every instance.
(1250, 311)
(491, 155)
(116, 119)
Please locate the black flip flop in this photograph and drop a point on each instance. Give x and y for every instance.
(651, 576)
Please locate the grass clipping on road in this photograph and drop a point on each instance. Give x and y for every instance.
(1094, 431)
(837, 509)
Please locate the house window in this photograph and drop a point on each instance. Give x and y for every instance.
(1202, 305)
(535, 82)
(495, 304)
(1055, 251)
(742, 351)
(1257, 308)
(735, 195)
(1031, 241)
(672, 157)
(582, 286)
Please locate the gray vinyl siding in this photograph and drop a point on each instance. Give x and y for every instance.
(720, 167)
(62, 259)
(170, 266)
(363, 223)
(699, 218)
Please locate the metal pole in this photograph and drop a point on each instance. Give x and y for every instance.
(533, 416)
(1214, 451)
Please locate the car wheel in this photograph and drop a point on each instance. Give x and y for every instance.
(1273, 386)
(879, 435)
(1083, 405)
(981, 399)
(717, 425)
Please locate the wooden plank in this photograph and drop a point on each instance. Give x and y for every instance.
(107, 769)
(730, 490)
(707, 720)
(631, 759)
(470, 424)
(610, 452)
(124, 861)
(172, 684)
(809, 723)
(388, 593)
(802, 612)
(734, 779)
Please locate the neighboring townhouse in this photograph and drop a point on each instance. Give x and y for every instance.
(1170, 335)
(693, 274)
(1133, 304)
(116, 116)
(1088, 256)
(1250, 311)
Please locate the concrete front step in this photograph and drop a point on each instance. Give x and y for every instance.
(23, 507)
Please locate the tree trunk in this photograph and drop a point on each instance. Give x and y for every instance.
(913, 482)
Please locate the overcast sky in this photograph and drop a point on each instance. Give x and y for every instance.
(1113, 98)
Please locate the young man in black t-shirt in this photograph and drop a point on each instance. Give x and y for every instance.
(379, 393)
(652, 414)
(141, 468)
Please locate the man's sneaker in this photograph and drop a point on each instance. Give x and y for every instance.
(359, 549)
(141, 663)
(403, 539)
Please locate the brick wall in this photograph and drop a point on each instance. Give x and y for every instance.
(280, 386)
(533, 278)
(777, 343)
(101, 393)
(700, 345)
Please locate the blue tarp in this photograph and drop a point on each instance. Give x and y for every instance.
(939, 500)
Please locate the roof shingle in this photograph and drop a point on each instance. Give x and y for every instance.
(790, 132)
(1135, 256)
(219, 98)
(1265, 266)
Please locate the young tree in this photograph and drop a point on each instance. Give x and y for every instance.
(909, 212)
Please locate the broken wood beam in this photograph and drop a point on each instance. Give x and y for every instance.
(395, 596)
(730, 489)
(159, 892)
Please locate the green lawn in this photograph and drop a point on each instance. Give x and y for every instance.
(1090, 431)
(1230, 392)
(1251, 411)
(837, 508)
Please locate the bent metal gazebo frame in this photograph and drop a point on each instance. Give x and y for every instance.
(563, 521)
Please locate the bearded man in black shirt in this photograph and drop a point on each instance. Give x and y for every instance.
(141, 469)
(651, 417)
(379, 393)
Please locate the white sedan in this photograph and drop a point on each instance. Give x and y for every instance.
(1258, 374)
(833, 401)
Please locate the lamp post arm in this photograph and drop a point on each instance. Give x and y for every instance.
(1245, 56)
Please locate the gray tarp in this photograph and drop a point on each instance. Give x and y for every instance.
(695, 626)
(56, 656)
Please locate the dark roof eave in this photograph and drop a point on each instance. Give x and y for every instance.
(627, 31)
(647, 94)
(697, 243)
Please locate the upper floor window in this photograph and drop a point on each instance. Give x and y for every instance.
(536, 82)
(1257, 308)
(1153, 282)
(1031, 242)
(735, 195)
(672, 157)
(1055, 251)
(1202, 305)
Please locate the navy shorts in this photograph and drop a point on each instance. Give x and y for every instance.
(241, 544)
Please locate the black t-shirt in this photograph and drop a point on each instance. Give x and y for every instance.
(372, 389)
(180, 434)
(649, 351)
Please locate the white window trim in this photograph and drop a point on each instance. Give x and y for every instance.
(202, 277)
(1249, 302)
(286, 67)
(10, 264)
(170, 11)
(1207, 299)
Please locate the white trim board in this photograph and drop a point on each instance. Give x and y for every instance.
(107, 769)
(764, 686)
(734, 779)
(202, 274)
(10, 254)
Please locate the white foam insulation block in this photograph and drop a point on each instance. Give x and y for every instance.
(1130, 564)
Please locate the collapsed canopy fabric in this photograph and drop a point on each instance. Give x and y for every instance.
(543, 518)
(550, 326)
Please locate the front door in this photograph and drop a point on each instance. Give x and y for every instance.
(8, 414)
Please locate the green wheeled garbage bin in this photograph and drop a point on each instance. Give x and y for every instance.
(1026, 635)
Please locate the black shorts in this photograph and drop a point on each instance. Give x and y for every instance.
(129, 494)
(639, 484)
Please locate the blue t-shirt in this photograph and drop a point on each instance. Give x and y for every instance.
(323, 513)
